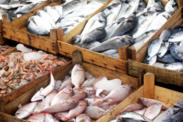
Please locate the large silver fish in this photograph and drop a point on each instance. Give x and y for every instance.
(177, 66)
(124, 26)
(114, 43)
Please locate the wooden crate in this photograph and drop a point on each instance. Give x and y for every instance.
(17, 31)
(3, 40)
(148, 90)
(96, 71)
(66, 48)
(162, 75)
(176, 18)
(5, 100)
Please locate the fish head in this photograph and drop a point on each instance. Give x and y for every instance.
(37, 96)
(177, 28)
(68, 89)
(179, 104)
(143, 100)
(20, 114)
(128, 86)
(60, 114)
(158, 105)
(77, 39)
(89, 90)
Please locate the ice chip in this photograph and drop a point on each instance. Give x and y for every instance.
(32, 56)
(22, 48)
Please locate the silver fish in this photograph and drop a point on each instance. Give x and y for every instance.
(179, 104)
(171, 6)
(52, 12)
(167, 58)
(177, 35)
(151, 61)
(113, 43)
(25, 9)
(155, 5)
(177, 66)
(110, 52)
(135, 116)
(163, 49)
(177, 51)
(94, 35)
(153, 48)
(124, 7)
(36, 25)
(124, 26)
(159, 21)
(90, 45)
(59, 9)
(166, 116)
(178, 117)
(165, 34)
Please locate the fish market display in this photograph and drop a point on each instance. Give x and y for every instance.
(19, 68)
(79, 97)
(4, 48)
(14, 8)
(67, 16)
(148, 110)
(124, 22)
(168, 49)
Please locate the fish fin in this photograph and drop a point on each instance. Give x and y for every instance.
(64, 118)
(19, 106)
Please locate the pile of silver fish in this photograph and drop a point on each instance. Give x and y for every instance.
(15, 8)
(124, 22)
(167, 49)
(149, 111)
(67, 16)
(80, 97)
(19, 68)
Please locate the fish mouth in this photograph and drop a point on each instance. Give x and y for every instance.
(76, 39)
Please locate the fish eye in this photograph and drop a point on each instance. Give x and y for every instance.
(70, 90)
(73, 101)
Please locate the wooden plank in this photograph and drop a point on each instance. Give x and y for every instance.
(167, 96)
(149, 81)
(123, 52)
(2, 40)
(8, 118)
(30, 39)
(5, 19)
(60, 34)
(9, 51)
(1, 26)
(141, 73)
(162, 75)
(77, 57)
(99, 71)
(94, 57)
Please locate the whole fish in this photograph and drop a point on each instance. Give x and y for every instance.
(78, 75)
(66, 104)
(167, 58)
(176, 35)
(65, 94)
(153, 111)
(45, 91)
(143, 24)
(90, 45)
(97, 21)
(155, 5)
(153, 48)
(159, 21)
(134, 115)
(178, 116)
(75, 111)
(113, 96)
(89, 37)
(163, 49)
(94, 112)
(177, 51)
(166, 116)
(171, 6)
(124, 26)
(165, 35)
(36, 117)
(89, 82)
(148, 102)
(25, 110)
(84, 117)
(132, 107)
(177, 66)
(36, 25)
(66, 83)
(71, 7)
(25, 9)
(113, 43)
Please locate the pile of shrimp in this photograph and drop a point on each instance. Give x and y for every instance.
(4, 48)
(15, 71)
